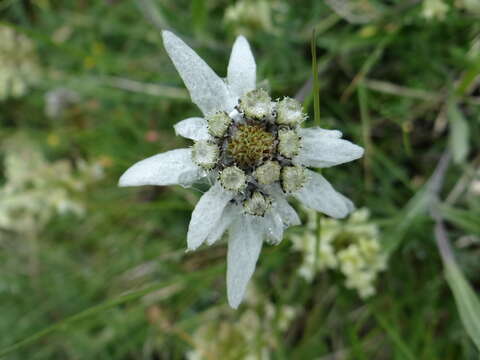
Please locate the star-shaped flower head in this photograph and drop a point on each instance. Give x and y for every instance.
(255, 154)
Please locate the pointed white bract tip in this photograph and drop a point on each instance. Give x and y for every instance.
(166, 33)
(356, 151)
(234, 303)
(193, 243)
(241, 72)
(166, 36)
(361, 151)
(207, 90)
(191, 248)
(126, 179)
(170, 40)
(349, 204)
(344, 208)
(193, 128)
(241, 38)
(235, 295)
(121, 182)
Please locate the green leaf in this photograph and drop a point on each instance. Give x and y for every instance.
(414, 208)
(465, 219)
(459, 131)
(395, 337)
(316, 83)
(467, 301)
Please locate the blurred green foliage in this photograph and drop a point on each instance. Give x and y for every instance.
(397, 80)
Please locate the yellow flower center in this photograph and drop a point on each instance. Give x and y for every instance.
(251, 145)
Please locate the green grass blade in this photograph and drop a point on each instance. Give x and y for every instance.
(366, 134)
(316, 82)
(459, 133)
(395, 337)
(467, 301)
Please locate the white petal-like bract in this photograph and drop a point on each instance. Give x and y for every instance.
(241, 73)
(273, 224)
(315, 132)
(318, 194)
(206, 214)
(280, 204)
(324, 148)
(168, 168)
(194, 128)
(229, 214)
(208, 91)
(348, 202)
(244, 245)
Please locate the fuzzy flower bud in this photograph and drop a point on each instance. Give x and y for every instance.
(268, 173)
(293, 178)
(257, 205)
(218, 123)
(232, 178)
(204, 154)
(256, 104)
(289, 144)
(289, 112)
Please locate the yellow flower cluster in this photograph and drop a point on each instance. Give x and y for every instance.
(250, 16)
(352, 247)
(434, 9)
(225, 335)
(35, 189)
(472, 6)
(18, 66)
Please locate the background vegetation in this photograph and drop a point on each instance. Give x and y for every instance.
(398, 77)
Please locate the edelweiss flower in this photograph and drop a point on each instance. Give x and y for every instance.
(255, 154)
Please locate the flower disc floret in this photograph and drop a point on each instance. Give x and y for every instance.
(232, 178)
(251, 145)
(256, 104)
(351, 259)
(257, 205)
(293, 178)
(369, 247)
(205, 154)
(268, 173)
(289, 112)
(289, 143)
(218, 123)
